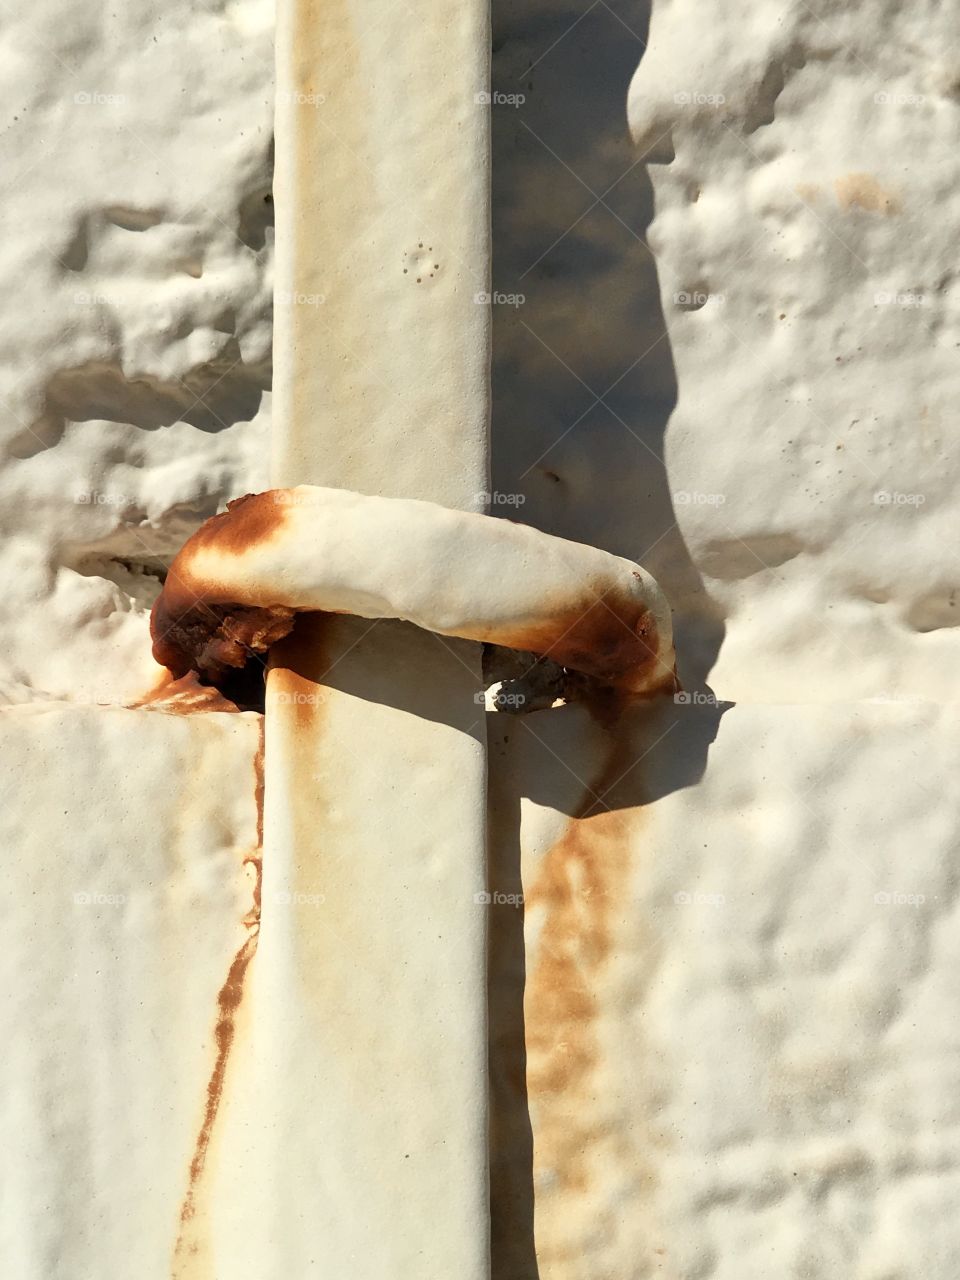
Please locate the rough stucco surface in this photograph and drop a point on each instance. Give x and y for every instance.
(134, 375)
(135, 339)
(739, 1031)
(119, 936)
(804, 223)
(732, 973)
(722, 1025)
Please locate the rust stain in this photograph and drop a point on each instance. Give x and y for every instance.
(600, 629)
(185, 696)
(214, 639)
(607, 638)
(299, 664)
(258, 762)
(248, 520)
(189, 1246)
(862, 191)
(190, 1249)
(578, 885)
(192, 626)
(581, 887)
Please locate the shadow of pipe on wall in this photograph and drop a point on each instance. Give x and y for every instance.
(583, 376)
(546, 1011)
(583, 388)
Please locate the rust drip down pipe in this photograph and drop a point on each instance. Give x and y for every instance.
(236, 585)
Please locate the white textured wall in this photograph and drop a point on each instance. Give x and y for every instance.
(134, 399)
(135, 336)
(723, 1023)
(805, 240)
(733, 971)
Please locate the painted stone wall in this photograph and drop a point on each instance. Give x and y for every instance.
(724, 319)
(134, 400)
(734, 360)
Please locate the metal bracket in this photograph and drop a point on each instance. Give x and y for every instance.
(237, 584)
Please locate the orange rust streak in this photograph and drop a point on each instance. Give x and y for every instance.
(258, 761)
(229, 999)
(249, 520)
(191, 623)
(582, 879)
(604, 637)
(184, 697)
(299, 665)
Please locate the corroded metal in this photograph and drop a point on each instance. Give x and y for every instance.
(234, 587)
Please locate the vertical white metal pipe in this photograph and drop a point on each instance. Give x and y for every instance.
(363, 1131)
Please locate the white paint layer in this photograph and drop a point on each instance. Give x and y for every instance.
(359, 1137)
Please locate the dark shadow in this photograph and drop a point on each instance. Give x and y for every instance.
(362, 659)
(583, 389)
(255, 216)
(567, 762)
(559, 767)
(590, 324)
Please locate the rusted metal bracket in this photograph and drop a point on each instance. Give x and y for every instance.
(236, 585)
